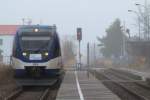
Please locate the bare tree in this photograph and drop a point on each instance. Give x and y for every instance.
(68, 47)
(144, 19)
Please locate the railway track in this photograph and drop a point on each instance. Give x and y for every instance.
(126, 77)
(31, 93)
(34, 92)
(126, 88)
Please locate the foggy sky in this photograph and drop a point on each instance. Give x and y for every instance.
(94, 16)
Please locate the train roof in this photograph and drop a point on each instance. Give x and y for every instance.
(37, 26)
(30, 28)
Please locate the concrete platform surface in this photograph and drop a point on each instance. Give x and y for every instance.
(78, 85)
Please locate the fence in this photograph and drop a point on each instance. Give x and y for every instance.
(93, 55)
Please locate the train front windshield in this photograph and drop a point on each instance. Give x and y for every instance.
(35, 41)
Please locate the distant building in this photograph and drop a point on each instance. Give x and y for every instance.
(7, 33)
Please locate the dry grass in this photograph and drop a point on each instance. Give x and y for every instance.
(6, 73)
(7, 82)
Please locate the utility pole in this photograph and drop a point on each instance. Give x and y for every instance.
(94, 56)
(148, 21)
(124, 42)
(88, 59)
(148, 26)
(88, 56)
(139, 23)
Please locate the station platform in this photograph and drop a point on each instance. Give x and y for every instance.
(79, 85)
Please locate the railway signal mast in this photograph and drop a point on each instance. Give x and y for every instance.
(79, 38)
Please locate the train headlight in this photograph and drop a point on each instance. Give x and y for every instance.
(24, 53)
(36, 30)
(46, 53)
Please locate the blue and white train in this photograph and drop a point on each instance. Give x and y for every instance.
(36, 53)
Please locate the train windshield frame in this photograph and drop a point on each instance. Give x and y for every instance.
(31, 41)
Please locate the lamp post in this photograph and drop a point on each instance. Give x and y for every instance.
(139, 24)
